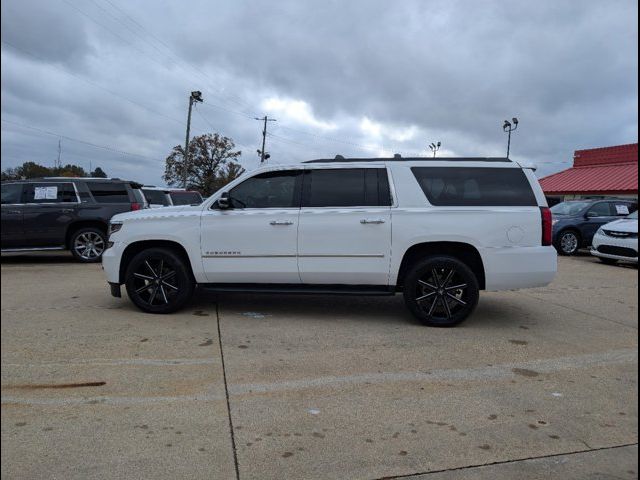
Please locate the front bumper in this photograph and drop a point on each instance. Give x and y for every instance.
(111, 262)
(623, 249)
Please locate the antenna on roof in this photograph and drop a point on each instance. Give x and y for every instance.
(397, 155)
(339, 157)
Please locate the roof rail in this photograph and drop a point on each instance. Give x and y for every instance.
(398, 158)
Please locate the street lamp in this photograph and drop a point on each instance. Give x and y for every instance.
(434, 147)
(509, 127)
(195, 96)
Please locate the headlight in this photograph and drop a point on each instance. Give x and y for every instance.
(554, 221)
(600, 231)
(114, 227)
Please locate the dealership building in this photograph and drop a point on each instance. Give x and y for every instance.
(596, 172)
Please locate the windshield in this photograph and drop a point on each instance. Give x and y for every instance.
(186, 198)
(156, 197)
(569, 208)
(633, 216)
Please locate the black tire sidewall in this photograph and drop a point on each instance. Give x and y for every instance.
(184, 279)
(425, 265)
(76, 234)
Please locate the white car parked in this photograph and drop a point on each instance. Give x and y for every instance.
(438, 230)
(617, 241)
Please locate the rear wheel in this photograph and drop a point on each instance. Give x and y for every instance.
(441, 291)
(568, 242)
(88, 244)
(159, 281)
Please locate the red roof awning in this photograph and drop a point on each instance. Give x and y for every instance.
(605, 179)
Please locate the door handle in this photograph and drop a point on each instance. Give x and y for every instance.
(67, 210)
(276, 222)
(14, 212)
(366, 221)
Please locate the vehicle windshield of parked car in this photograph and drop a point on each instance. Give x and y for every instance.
(185, 198)
(569, 208)
(633, 216)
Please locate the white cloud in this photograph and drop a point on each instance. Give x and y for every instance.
(296, 110)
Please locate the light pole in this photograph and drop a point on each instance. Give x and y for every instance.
(509, 127)
(194, 97)
(434, 147)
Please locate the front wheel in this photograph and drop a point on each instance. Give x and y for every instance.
(568, 243)
(159, 281)
(441, 291)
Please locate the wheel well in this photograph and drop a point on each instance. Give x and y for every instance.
(136, 247)
(462, 251)
(74, 227)
(573, 230)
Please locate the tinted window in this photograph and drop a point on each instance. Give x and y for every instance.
(600, 210)
(109, 192)
(157, 197)
(186, 198)
(11, 193)
(347, 187)
(51, 193)
(482, 187)
(268, 190)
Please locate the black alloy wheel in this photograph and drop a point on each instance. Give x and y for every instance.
(88, 244)
(159, 281)
(441, 291)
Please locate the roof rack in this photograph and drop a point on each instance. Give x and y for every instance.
(398, 158)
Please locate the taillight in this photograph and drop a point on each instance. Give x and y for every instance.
(135, 206)
(547, 226)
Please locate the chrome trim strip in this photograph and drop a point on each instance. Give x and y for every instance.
(363, 255)
(31, 249)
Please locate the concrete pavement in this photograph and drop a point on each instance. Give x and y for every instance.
(539, 382)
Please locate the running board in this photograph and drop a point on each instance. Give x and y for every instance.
(31, 249)
(298, 289)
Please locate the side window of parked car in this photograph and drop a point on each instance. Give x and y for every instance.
(622, 209)
(346, 187)
(280, 189)
(51, 193)
(601, 209)
(11, 193)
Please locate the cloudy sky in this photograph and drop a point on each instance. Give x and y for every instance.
(358, 78)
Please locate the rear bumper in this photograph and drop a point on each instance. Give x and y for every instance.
(522, 267)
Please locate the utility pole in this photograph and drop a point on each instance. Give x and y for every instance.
(194, 97)
(508, 127)
(264, 155)
(59, 152)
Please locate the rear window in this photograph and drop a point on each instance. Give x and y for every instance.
(109, 192)
(186, 198)
(156, 197)
(475, 187)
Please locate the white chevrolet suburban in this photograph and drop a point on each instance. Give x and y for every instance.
(438, 230)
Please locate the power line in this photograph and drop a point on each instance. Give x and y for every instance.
(90, 82)
(84, 142)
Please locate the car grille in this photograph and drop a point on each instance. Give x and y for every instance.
(619, 251)
(613, 233)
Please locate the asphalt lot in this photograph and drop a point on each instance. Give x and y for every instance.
(538, 384)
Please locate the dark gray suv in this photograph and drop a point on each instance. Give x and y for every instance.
(63, 214)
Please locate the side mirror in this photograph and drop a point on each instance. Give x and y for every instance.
(591, 214)
(223, 201)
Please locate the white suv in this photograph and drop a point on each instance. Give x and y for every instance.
(438, 230)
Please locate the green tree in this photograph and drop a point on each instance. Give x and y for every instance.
(212, 164)
(70, 171)
(98, 173)
(33, 170)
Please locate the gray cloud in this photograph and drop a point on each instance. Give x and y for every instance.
(449, 71)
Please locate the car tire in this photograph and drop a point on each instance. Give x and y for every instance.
(88, 244)
(441, 291)
(568, 242)
(608, 261)
(159, 280)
